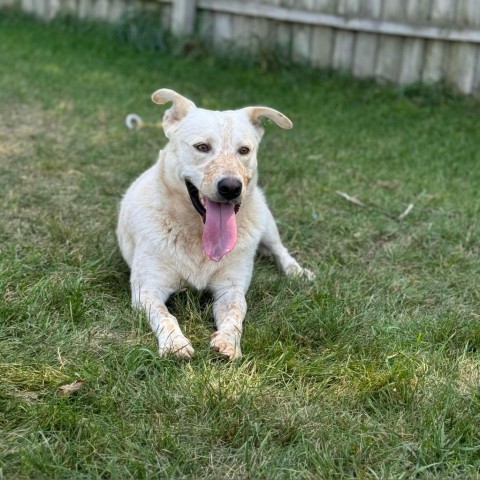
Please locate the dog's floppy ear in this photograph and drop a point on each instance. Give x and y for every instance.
(257, 113)
(181, 106)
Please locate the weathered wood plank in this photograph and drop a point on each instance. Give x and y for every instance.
(116, 10)
(461, 68)
(413, 50)
(84, 8)
(412, 61)
(283, 36)
(222, 29)
(51, 9)
(241, 27)
(261, 28)
(31, 6)
(344, 45)
(435, 61)
(323, 37)
(463, 57)
(183, 17)
(205, 28)
(302, 34)
(301, 43)
(437, 51)
(100, 9)
(366, 47)
(476, 76)
(389, 55)
(474, 17)
(166, 17)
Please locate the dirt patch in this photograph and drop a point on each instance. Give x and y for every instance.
(35, 178)
(468, 375)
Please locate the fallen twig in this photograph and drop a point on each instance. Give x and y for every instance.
(350, 199)
(406, 212)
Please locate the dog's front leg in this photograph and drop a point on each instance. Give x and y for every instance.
(149, 293)
(229, 310)
(272, 244)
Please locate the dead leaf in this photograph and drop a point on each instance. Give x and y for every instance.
(70, 388)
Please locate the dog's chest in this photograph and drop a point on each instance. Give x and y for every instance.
(179, 247)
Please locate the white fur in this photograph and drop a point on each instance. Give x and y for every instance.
(160, 232)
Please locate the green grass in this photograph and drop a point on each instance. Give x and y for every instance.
(372, 372)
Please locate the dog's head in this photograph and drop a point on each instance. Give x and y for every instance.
(217, 160)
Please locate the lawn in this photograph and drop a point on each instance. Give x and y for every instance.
(370, 372)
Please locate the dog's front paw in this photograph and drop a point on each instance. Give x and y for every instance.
(295, 270)
(227, 344)
(308, 274)
(177, 345)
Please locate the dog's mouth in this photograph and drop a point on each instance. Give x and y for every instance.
(220, 231)
(199, 202)
(195, 199)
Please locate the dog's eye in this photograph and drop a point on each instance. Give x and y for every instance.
(243, 150)
(203, 147)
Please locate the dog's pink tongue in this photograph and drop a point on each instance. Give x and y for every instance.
(220, 230)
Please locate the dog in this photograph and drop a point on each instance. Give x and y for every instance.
(197, 218)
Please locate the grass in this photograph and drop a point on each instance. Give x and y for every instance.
(371, 372)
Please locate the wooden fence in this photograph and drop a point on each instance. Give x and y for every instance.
(400, 41)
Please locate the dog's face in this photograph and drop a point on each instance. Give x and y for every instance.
(217, 159)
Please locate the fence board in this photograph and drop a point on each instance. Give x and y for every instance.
(322, 45)
(390, 49)
(365, 57)
(100, 9)
(344, 44)
(463, 57)
(261, 31)
(26, 5)
(222, 29)
(322, 37)
(302, 34)
(53, 8)
(116, 10)
(461, 68)
(414, 49)
(183, 17)
(476, 75)
(243, 30)
(205, 22)
(283, 37)
(301, 43)
(437, 51)
(166, 16)
(83, 8)
(476, 22)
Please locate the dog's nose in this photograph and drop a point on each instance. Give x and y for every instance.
(229, 188)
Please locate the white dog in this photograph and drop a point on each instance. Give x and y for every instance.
(197, 217)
